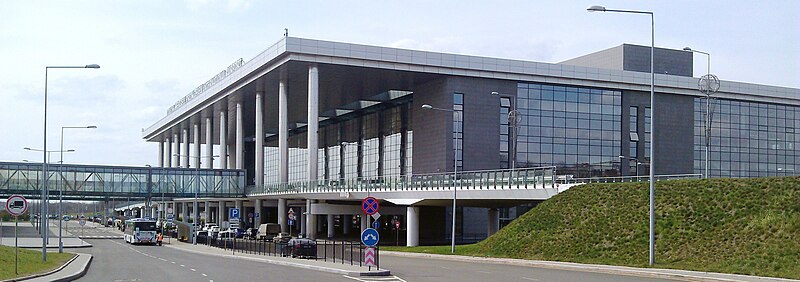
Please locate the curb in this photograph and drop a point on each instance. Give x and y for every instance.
(596, 268)
(384, 272)
(84, 269)
(69, 277)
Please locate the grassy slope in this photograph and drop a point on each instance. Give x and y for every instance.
(747, 226)
(30, 262)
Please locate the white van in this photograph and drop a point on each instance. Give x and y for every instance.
(268, 230)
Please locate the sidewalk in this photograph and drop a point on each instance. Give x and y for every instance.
(72, 270)
(609, 269)
(69, 240)
(338, 268)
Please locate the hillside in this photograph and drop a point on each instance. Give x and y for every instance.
(746, 226)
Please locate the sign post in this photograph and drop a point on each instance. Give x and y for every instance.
(16, 205)
(291, 220)
(82, 222)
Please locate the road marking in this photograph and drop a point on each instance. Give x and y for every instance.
(183, 265)
(204, 275)
(531, 279)
(484, 272)
(173, 262)
(161, 259)
(375, 279)
(193, 269)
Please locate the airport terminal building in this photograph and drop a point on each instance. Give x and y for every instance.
(310, 110)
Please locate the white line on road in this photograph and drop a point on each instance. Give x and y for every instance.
(193, 269)
(183, 265)
(173, 262)
(161, 259)
(204, 275)
(484, 272)
(531, 279)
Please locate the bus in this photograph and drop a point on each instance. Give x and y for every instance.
(140, 231)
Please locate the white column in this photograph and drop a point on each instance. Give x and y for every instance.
(257, 211)
(239, 137)
(160, 153)
(364, 222)
(311, 221)
(313, 121)
(185, 151)
(209, 143)
(185, 212)
(301, 221)
(283, 131)
(153, 212)
(196, 151)
(207, 211)
(493, 221)
(347, 223)
(282, 215)
(168, 154)
(259, 181)
(176, 159)
(412, 226)
(223, 140)
(331, 230)
(221, 212)
(196, 212)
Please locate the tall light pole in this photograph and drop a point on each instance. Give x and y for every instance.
(638, 163)
(196, 205)
(708, 84)
(652, 121)
(44, 155)
(47, 152)
(455, 175)
(61, 187)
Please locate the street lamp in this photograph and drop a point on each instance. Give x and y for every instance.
(61, 187)
(707, 84)
(48, 152)
(45, 155)
(455, 175)
(195, 205)
(514, 119)
(638, 163)
(652, 120)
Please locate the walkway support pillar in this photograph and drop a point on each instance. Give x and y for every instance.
(282, 215)
(313, 122)
(174, 155)
(168, 154)
(412, 226)
(311, 221)
(185, 152)
(331, 229)
(160, 153)
(259, 177)
(239, 137)
(184, 212)
(493, 221)
(196, 138)
(209, 143)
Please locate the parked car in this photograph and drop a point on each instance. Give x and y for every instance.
(268, 230)
(301, 247)
(282, 237)
(213, 231)
(251, 233)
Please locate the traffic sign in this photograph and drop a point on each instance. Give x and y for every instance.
(370, 237)
(250, 215)
(370, 205)
(369, 256)
(16, 205)
(397, 224)
(82, 220)
(376, 224)
(291, 222)
(291, 214)
(233, 213)
(257, 215)
(170, 216)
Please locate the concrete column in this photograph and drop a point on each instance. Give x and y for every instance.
(347, 223)
(493, 221)
(311, 221)
(257, 211)
(301, 221)
(209, 144)
(207, 211)
(196, 138)
(282, 215)
(259, 181)
(184, 212)
(239, 136)
(176, 159)
(160, 153)
(313, 121)
(223, 140)
(412, 226)
(364, 222)
(185, 149)
(221, 212)
(283, 130)
(331, 230)
(168, 154)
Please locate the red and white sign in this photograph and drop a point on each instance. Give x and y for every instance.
(16, 205)
(397, 224)
(369, 256)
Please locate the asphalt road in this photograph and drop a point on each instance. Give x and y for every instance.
(114, 260)
(428, 269)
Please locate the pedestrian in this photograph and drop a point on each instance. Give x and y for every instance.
(160, 238)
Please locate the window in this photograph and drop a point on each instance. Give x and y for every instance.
(458, 129)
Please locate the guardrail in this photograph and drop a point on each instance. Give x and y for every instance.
(525, 178)
(568, 180)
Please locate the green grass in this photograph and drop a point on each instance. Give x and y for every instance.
(744, 226)
(30, 262)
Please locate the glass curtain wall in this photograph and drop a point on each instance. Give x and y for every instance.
(748, 139)
(574, 128)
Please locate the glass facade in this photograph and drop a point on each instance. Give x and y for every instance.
(458, 129)
(748, 139)
(365, 146)
(574, 128)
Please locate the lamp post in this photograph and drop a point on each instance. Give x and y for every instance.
(61, 187)
(638, 163)
(196, 205)
(48, 152)
(514, 119)
(652, 120)
(455, 175)
(44, 155)
(708, 84)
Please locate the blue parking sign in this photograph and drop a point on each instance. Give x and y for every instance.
(233, 213)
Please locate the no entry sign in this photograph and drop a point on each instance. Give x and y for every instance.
(370, 205)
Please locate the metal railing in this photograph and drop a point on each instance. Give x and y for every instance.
(565, 179)
(524, 178)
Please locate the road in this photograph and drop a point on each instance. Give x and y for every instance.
(429, 269)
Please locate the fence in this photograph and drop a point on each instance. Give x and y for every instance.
(344, 252)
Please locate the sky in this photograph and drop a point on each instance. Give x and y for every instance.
(152, 53)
